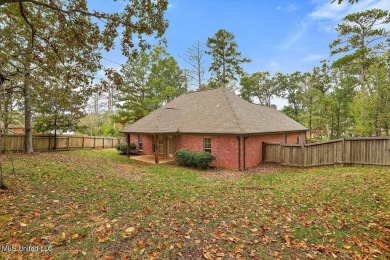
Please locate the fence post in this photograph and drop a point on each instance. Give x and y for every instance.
(49, 143)
(103, 141)
(304, 161)
(68, 142)
(94, 142)
(281, 153)
(112, 142)
(83, 142)
(343, 152)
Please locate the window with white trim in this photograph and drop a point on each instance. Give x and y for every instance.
(207, 144)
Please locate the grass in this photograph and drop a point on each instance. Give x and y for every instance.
(96, 204)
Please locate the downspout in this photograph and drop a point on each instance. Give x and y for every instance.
(245, 137)
(128, 144)
(239, 152)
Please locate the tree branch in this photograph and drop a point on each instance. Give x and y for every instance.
(33, 32)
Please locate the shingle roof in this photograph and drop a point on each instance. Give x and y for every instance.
(216, 111)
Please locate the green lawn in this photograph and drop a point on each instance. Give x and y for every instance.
(96, 203)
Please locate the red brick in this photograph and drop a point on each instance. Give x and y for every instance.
(223, 147)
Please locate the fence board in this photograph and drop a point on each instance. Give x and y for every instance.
(15, 143)
(367, 151)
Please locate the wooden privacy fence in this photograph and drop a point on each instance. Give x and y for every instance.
(15, 143)
(370, 151)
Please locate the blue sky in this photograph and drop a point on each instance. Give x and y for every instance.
(278, 36)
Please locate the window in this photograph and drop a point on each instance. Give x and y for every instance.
(298, 140)
(207, 144)
(139, 142)
(160, 145)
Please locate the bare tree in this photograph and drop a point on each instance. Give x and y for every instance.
(195, 58)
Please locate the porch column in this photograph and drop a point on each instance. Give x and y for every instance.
(128, 144)
(156, 158)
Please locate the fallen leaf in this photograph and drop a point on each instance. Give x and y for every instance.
(74, 252)
(287, 240)
(130, 230)
(381, 244)
(104, 238)
(347, 246)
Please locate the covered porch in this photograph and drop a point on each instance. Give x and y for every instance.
(151, 148)
(151, 159)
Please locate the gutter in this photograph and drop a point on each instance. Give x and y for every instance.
(239, 152)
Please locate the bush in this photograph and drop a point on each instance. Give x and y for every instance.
(194, 158)
(122, 148)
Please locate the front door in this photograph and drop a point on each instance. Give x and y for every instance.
(169, 146)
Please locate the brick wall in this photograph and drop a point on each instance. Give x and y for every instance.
(223, 147)
(146, 143)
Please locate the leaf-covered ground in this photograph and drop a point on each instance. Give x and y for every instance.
(98, 204)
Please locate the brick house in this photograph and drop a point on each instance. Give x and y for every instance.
(215, 121)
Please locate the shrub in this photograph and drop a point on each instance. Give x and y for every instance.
(194, 158)
(122, 148)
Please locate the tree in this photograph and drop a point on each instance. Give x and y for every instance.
(57, 32)
(227, 60)
(291, 87)
(134, 90)
(58, 109)
(166, 79)
(360, 36)
(340, 98)
(195, 58)
(371, 107)
(259, 85)
(149, 82)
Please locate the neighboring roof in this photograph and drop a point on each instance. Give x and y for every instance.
(216, 111)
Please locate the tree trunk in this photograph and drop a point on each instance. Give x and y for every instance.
(55, 132)
(310, 117)
(2, 185)
(28, 140)
(6, 111)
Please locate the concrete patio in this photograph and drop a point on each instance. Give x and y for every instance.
(150, 159)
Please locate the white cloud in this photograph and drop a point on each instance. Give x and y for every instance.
(291, 8)
(335, 12)
(294, 35)
(273, 64)
(287, 8)
(313, 57)
(329, 11)
(327, 15)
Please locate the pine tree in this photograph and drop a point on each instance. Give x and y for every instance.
(227, 60)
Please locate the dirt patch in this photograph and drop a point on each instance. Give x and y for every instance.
(130, 171)
(268, 168)
(222, 174)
